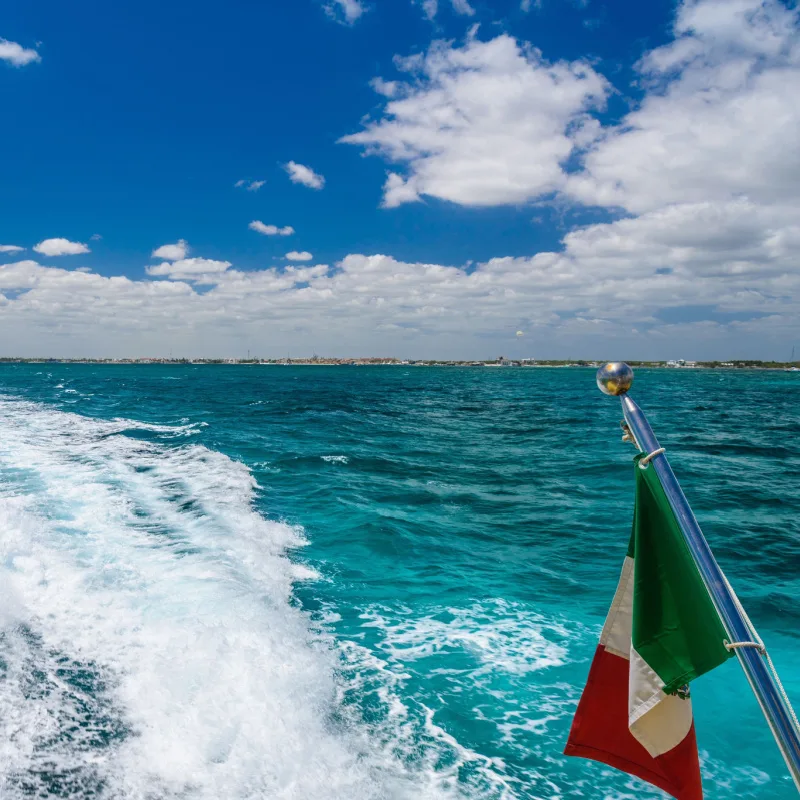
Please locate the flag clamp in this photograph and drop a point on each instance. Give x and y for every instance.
(615, 379)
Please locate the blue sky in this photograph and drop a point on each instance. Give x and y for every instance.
(621, 126)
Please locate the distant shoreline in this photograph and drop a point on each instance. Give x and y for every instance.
(392, 362)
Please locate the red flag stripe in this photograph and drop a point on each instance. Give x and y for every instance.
(600, 732)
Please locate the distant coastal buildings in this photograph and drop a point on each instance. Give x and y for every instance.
(319, 361)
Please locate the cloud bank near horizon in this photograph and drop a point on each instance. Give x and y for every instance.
(608, 289)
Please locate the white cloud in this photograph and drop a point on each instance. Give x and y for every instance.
(462, 7)
(270, 230)
(485, 124)
(717, 123)
(397, 191)
(295, 256)
(95, 237)
(172, 252)
(346, 11)
(493, 123)
(386, 88)
(194, 269)
(250, 186)
(10, 248)
(304, 175)
(60, 247)
(431, 7)
(16, 54)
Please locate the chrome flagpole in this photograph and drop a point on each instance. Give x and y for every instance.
(615, 379)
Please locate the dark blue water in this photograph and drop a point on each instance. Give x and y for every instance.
(386, 582)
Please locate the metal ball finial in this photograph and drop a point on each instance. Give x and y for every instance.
(614, 378)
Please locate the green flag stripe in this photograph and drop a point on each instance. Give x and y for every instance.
(676, 628)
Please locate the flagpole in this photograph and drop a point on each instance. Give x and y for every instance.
(615, 379)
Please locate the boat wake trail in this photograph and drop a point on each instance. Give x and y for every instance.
(149, 643)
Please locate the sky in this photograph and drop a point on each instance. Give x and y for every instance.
(408, 178)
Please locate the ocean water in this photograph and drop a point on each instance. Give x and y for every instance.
(230, 583)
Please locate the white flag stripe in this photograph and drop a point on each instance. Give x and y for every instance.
(659, 722)
(616, 635)
(665, 725)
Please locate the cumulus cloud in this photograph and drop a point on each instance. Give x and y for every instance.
(17, 55)
(248, 185)
(10, 248)
(60, 247)
(172, 252)
(270, 230)
(397, 191)
(345, 11)
(717, 123)
(431, 7)
(194, 269)
(494, 123)
(386, 88)
(304, 175)
(295, 256)
(489, 123)
(462, 7)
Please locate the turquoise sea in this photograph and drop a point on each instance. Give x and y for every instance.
(230, 583)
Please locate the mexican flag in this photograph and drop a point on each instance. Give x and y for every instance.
(662, 631)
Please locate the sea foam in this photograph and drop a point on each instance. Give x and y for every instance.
(149, 644)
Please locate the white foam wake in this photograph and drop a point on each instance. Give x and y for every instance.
(485, 650)
(149, 645)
